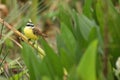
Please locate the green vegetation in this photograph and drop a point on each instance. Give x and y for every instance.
(82, 44)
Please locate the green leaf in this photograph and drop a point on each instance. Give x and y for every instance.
(81, 41)
(37, 68)
(65, 17)
(114, 27)
(66, 46)
(100, 14)
(87, 8)
(107, 14)
(53, 61)
(68, 39)
(85, 25)
(87, 67)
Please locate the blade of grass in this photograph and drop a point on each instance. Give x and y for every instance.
(89, 58)
(53, 61)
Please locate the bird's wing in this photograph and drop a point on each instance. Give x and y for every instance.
(37, 32)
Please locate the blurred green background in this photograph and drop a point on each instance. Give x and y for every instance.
(83, 40)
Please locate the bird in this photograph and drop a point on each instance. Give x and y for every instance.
(32, 32)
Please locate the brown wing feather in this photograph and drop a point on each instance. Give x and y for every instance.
(37, 32)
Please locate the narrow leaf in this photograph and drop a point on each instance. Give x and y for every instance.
(87, 66)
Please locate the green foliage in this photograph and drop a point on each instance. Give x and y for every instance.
(87, 45)
(89, 58)
(87, 8)
(53, 61)
(69, 50)
(66, 47)
(37, 68)
(49, 67)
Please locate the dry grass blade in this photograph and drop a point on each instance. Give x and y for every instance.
(1, 49)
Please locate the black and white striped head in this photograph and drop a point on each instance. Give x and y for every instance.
(29, 24)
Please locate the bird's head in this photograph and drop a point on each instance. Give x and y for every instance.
(29, 23)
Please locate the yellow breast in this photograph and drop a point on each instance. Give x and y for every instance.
(29, 33)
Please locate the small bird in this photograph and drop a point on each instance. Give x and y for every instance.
(32, 32)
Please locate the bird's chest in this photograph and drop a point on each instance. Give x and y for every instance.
(29, 33)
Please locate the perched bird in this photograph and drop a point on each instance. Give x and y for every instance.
(32, 32)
